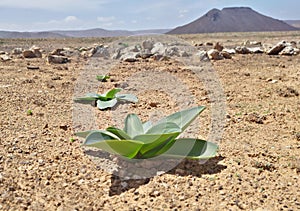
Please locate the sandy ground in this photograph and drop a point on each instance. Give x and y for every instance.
(257, 166)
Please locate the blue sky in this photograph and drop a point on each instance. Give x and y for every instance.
(38, 15)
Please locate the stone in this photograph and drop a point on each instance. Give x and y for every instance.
(218, 46)
(28, 54)
(202, 55)
(289, 51)
(275, 50)
(130, 57)
(148, 44)
(254, 50)
(54, 59)
(101, 51)
(37, 51)
(17, 51)
(242, 50)
(226, 55)
(230, 51)
(4, 57)
(214, 54)
(159, 48)
(173, 51)
(2, 52)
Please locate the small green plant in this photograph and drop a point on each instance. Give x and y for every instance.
(29, 112)
(107, 100)
(102, 78)
(143, 140)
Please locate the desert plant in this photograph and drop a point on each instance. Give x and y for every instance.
(143, 140)
(108, 99)
(102, 78)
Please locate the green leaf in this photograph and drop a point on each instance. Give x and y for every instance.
(147, 125)
(118, 132)
(89, 98)
(127, 97)
(111, 94)
(102, 78)
(84, 134)
(192, 149)
(164, 127)
(99, 135)
(183, 118)
(106, 104)
(133, 125)
(127, 148)
(158, 150)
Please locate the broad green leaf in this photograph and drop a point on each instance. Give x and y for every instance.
(158, 150)
(111, 94)
(147, 125)
(118, 132)
(126, 148)
(183, 118)
(153, 140)
(84, 134)
(127, 97)
(99, 135)
(164, 127)
(106, 104)
(133, 125)
(89, 98)
(192, 149)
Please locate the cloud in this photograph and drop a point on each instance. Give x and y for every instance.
(71, 19)
(106, 19)
(57, 5)
(182, 13)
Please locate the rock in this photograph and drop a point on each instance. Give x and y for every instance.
(203, 55)
(209, 44)
(275, 50)
(57, 52)
(214, 54)
(148, 44)
(28, 54)
(2, 52)
(255, 50)
(101, 51)
(54, 59)
(158, 48)
(242, 50)
(230, 51)
(130, 57)
(4, 57)
(226, 55)
(173, 51)
(289, 51)
(218, 46)
(37, 51)
(17, 51)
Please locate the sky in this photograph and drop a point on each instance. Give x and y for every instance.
(44, 15)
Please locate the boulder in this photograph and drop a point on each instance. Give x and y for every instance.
(4, 57)
(54, 59)
(214, 54)
(28, 54)
(101, 51)
(148, 44)
(275, 50)
(242, 50)
(218, 46)
(172, 51)
(17, 51)
(37, 51)
(230, 51)
(159, 48)
(225, 55)
(202, 55)
(254, 50)
(130, 57)
(289, 51)
(2, 52)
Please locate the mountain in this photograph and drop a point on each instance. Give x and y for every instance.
(79, 33)
(13, 34)
(294, 23)
(232, 19)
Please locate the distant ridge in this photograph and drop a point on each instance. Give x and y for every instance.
(294, 23)
(79, 33)
(233, 19)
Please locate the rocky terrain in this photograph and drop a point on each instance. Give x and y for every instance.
(44, 167)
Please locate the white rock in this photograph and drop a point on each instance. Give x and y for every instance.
(17, 51)
(275, 50)
(4, 57)
(202, 55)
(158, 48)
(54, 59)
(230, 51)
(148, 44)
(255, 50)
